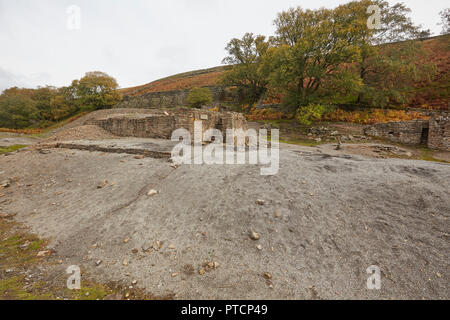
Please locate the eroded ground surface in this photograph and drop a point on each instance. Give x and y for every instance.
(325, 218)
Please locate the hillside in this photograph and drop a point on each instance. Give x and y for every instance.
(429, 96)
(182, 81)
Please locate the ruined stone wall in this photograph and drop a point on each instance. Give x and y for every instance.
(407, 132)
(439, 135)
(169, 99)
(162, 124)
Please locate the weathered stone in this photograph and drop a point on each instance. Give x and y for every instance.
(254, 235)
(161, 124)
(434, 133)
(439, 136)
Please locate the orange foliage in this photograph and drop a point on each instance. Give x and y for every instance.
(22, 131)
(372, 116)
(265, 114)
(176, 83)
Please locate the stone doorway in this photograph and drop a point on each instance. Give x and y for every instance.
(424, 136)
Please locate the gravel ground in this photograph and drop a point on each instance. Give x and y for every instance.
(325, 219)
(85, 132)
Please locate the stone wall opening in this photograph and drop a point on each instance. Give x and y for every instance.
(433, 133)
(424, 136)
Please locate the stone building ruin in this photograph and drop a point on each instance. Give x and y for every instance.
(160, 124)
(433, 133)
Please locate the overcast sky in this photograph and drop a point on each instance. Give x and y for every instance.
(137, 41)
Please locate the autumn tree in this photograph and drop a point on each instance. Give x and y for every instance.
(312, 48)
(247, 73)
(97, 90)
(64, 103)
(43, 96)
(388, 72)
(199, 97)
(17, 111)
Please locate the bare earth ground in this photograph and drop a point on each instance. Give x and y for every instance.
(327, 216)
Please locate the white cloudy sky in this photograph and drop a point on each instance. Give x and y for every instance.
(137, 41)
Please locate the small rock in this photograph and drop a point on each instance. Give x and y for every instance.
(135, 251)
(439, 275)
(126, 240)
(172, 246)
(139, 157)
(146, 247)
(201, 271)
(267, 275)
(174, 275)
(102, 184)
(260, 202)
(152, 193)
(99, 262)
(43, 253)
(254, 235)
(5, 184)
(127, 295)
(157, 245)
(87, 294)
(44, 151)
(134, 282)
(125, 262)
(7, 215)
(259, 247)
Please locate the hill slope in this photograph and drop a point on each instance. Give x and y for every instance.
(434, 95)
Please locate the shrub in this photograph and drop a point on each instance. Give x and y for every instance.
(312, 112)
(199, 97)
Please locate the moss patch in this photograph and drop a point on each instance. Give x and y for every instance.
(11, 148)
(18, 255)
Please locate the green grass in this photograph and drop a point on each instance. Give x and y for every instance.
(11, 148)
(426, 154)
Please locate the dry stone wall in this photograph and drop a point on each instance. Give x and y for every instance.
(407, 132)
(170, 99)
(161, 124)
(439, 136)
(434, 133)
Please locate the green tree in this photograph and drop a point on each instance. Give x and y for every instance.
(313, 48)
(17, 111)
(199, 97)
(64, 103)
(312, 112)
(43, 96)
(97, 90)
(387, 71)
(247, 73)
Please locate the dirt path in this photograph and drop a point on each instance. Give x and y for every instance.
(325, 220)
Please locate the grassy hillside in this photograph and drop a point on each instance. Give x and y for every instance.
(434, 96)
(187, 80)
